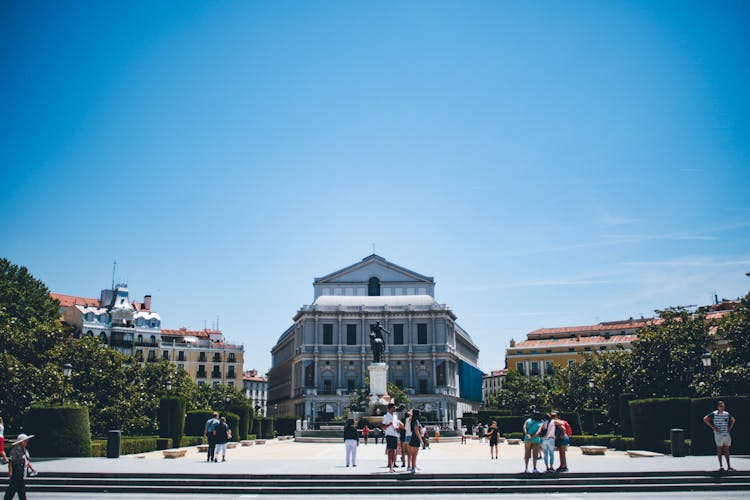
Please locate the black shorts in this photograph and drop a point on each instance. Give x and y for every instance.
(414, 441)
(493, 441)
(391, 443)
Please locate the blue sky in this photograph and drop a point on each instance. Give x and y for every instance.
(549, 163)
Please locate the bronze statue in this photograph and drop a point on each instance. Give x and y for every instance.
(377, 341)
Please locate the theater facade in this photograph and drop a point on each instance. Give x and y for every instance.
(322, 358)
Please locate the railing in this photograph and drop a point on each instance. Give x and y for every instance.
(215, 374)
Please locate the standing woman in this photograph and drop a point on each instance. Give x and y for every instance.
(19, 462)
(351, 441)
(493, 433)
(365, 432)
(415, 442)
(222, 436)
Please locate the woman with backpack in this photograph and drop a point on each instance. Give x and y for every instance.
(562, 439)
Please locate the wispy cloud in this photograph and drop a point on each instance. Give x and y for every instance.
(562, 281)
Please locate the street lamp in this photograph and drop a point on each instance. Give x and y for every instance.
(67, 370)
(593, 410)
(706, 359)
(168, 385)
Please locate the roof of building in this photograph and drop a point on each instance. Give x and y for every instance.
(184, 332)
(72, 300)
(252, 376)
(574, 342)
(496, 373)
(375, 301)
(593, 329)
(382, 261)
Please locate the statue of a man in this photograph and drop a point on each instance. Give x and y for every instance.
(377, 341)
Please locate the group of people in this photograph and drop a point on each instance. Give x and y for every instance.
(217, 434)
(542, 435)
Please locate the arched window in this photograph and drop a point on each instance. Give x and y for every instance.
(373, 287)
(153, 340)
(139, 339)
(103, 337)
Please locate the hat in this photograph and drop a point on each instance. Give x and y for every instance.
(21, 438)
(391, 405)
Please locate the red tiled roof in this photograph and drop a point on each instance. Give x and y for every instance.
(497, 373)
(252, 376)
(601, 327)
(182, 332)
(72, 300)
(577, 341)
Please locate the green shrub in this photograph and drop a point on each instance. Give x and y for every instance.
(514, 435)
(195, 422)
(622, 443)
(258, 426)
(233, 421)
(246, 417)
(510, 424)
(652, 419)
(192, 441)
(268, 428)
(586, 440)
(251, 437)
(286, 425)
(703, 438)
(590, 417)
(98, 447)
(171, 418)
(623, 413)
(138, 444)
(61, 431)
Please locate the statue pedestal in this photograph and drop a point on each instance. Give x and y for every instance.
(378, 379)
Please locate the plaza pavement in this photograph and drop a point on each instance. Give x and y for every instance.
(289, 457)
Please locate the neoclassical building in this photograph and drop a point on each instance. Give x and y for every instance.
(323, 357)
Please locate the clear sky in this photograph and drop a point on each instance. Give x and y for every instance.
(549, 163)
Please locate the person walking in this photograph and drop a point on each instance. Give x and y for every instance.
(351, 442)
(209, 432)
(2, 442)
(415, 441)
(548, 443)
(493, 434)
(222, 434)
(392, 425)
(463, 434)
(532, 427)
(425, 437)
(365, 433)
(19, 462)
(721, 422)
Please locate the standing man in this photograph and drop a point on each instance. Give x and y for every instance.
(721, 422)
(531, 441)
(19, 461)
(209, 432)
(392, 426)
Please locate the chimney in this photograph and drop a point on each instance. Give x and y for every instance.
(147, 302)
(716, 298)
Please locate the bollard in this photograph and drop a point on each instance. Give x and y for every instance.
(677, 437)
(113, 444)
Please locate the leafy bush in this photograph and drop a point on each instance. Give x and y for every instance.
(268, 428)
(195, 422)
(622, 443)
(586, 440)
(191, 441)
(286, 425)
(509, 424)
(574, 419)
(623, 413)
(138, 444)
(652, 419)
(258, 425)
(246, 417)
(98, 447)
(251, 437)
(61, 431)
(233, 421)
(171, 418)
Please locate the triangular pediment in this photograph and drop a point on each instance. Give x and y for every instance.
(377, 266)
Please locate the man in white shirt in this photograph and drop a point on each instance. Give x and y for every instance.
(392, 425)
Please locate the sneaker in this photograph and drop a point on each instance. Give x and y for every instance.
(353, 465)
(562, 469)
(347, 465)
(536, 471)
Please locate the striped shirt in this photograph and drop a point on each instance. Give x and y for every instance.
(720, 421)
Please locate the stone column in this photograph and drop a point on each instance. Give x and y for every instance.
(378, 379)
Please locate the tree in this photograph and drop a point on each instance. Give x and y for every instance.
(26, 298)
(667, 354)
(523, 395)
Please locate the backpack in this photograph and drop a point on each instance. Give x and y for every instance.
(568, 429)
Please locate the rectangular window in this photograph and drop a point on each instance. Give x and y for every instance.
(534, 368)
(202, 371)
(549, 370)
(165, 354)
(423, 386)
(230, 372)
(350, 384)
(399, 383)
(351, 334)
(421, 333)
(327, 334)
(520, 368)
(202, 356)
(327, 387)
(398, 334)
(231, 357)
(181, 356)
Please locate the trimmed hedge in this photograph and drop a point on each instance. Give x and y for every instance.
(268, 428)
(469, 420)
(574, 419)
(171, 418)
(652, 420)
(98, 447)
(622, 443)
(286, 425)
(60, 431)
(623, 413)
(703, 438)
(251, 437)
(233, 421)
(258, 426)
(192, 441)
(132, 445)
(587, 440)
(246, 417)
(508, 424)
(195, 422)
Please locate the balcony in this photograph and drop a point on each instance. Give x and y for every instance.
(201, 374)
(121, 343)
(144, 343)
(216, 374)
